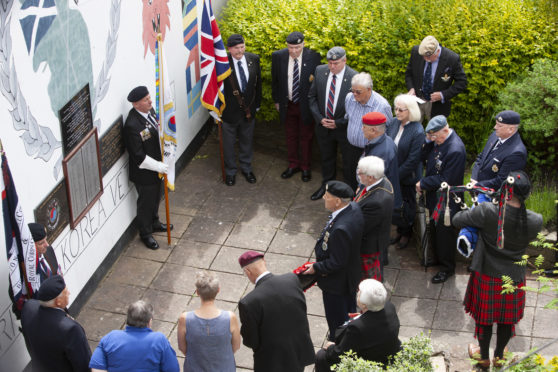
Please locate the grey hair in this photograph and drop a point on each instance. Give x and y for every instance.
(410, 102)
(372, 166)
(139, 314)
(381, 127)
(207, 285)
(362, 79)
(373, 294)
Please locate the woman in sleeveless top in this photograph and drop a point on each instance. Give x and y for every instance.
(208, 336)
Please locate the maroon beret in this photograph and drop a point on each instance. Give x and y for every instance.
(374, 118)
(248, 257)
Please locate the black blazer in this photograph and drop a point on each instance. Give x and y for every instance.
(279, 81)
(275, 326)
(50, 257)
(377, 209)
(139, 146)
(317, 96)
(492, 167)
(55, 341)
(253, 94)
(408, 150)
(338, 252)
(449, 78)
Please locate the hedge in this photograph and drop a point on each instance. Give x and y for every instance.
(496, 39)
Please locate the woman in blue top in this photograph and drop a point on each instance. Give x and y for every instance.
(208, 336)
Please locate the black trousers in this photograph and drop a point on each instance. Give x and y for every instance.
(147, 213)
(337, 309)
(329, 140)
(354, 154)
(444, 241)
(405, 224)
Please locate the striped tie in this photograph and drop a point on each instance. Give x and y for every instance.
(45, 267)
(331, 98)
(295, 94)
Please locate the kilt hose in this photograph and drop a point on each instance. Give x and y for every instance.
(486, 304)
(370, 266)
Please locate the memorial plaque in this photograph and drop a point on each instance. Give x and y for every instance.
(112, 146)
(76, 119)
(84, 182)
(53, 212)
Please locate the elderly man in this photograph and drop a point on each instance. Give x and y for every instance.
(141, 137)
(360, 101)
(243, 94)
(55, 341)
(504, 152)
(327, 104)
(444, 154)
(375, 198)
(435, 74)
(338, 255)
(137, 348)
(292, 70)
(48, 264)
(273, 316)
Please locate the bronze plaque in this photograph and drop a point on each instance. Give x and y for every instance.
(53, 211)
(112, 145)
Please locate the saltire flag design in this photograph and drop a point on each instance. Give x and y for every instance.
(165, 103)
(20, 247)
(214, 62)
(190, 32)
(36, 18)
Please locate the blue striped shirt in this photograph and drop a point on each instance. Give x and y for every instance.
(354, 111)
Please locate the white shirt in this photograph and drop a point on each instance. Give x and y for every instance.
(338, 82)
(398, 137)
(244, 67)
(150, 119)
(334, 214)
(261, 276)
(290, 72)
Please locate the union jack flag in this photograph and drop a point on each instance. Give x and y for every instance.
(214, 62)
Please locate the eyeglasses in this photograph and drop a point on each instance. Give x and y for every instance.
(399, 109)
(356, 91)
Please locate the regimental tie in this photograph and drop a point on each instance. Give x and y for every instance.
(331, 98)
(45, 267)
(497, 144)
(296, 78)
(152, 121)
(427, 81)
(243, 81)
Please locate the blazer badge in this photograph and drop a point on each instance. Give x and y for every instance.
(311, 78)
(324, 242)
(495, 168)
(145, 134)
(445, 78)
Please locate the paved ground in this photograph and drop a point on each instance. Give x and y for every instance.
(214, 224)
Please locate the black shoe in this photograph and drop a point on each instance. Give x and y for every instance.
(403, 242)
(441, 276)
(161, 227)
(395, 240)
(150, 242)
(319, 193)
(306, 175)
(249, 177)
(289, 172)
(230, 180)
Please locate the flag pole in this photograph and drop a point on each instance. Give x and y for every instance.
(161, 140)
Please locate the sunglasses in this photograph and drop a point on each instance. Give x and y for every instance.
(399, 109)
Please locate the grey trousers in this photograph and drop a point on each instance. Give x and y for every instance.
(244, 129)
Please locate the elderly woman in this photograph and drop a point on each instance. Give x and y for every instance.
(407, 133)
(484, 300)
(373, 335)
(208, 336)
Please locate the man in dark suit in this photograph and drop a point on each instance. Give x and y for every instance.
(444, 154)
(141, 137)
(55, 341)
(504, 152)
(435, 74)
(338, 255)
(292, 70)
(273, 317)
(48, 264)
(326, 98)
(243, 94)
(375, 199)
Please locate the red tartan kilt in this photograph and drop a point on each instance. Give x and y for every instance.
(487, 305)
(370, 266)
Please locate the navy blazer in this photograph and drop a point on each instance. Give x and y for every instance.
(408, 150)
(252, 95)
(279, 81)
(386, 150)
(492, 167)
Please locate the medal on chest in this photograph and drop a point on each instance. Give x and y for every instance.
(437, 162)
(495, 168)
(324, 241)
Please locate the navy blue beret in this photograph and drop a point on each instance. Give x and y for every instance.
(340, 189)
(51, 288)
(137, 93)
(234, 40)
(295, 38)
(508, 117)
(38, 231)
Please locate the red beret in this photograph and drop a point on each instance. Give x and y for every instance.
(374, 118)
(248, 257)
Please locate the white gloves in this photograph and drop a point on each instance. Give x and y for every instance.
(154, 165)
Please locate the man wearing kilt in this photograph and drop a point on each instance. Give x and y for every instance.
(484, 300)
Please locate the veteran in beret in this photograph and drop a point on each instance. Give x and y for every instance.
(292, 72)
(55, 341)
(141, 137)
(504, 152)
(273, 317)
(48, 264)
(326, 98)
(444, 156)
(338, 255)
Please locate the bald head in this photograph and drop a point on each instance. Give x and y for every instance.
(255, 269)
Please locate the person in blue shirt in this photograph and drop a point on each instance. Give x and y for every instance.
(137, 348)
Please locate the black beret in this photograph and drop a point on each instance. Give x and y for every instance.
(51, 288)
(295, 38)
(234, 40)
(137, 93)
(508, 117)
(37, 231)
(340, 189)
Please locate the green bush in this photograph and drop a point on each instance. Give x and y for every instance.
(497, 40)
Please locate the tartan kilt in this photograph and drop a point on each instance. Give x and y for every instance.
(370, 266)
(486, 304)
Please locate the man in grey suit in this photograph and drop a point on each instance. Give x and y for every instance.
(326, 98)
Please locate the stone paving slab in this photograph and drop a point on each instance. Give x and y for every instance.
(196, 254)
(134, 271)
